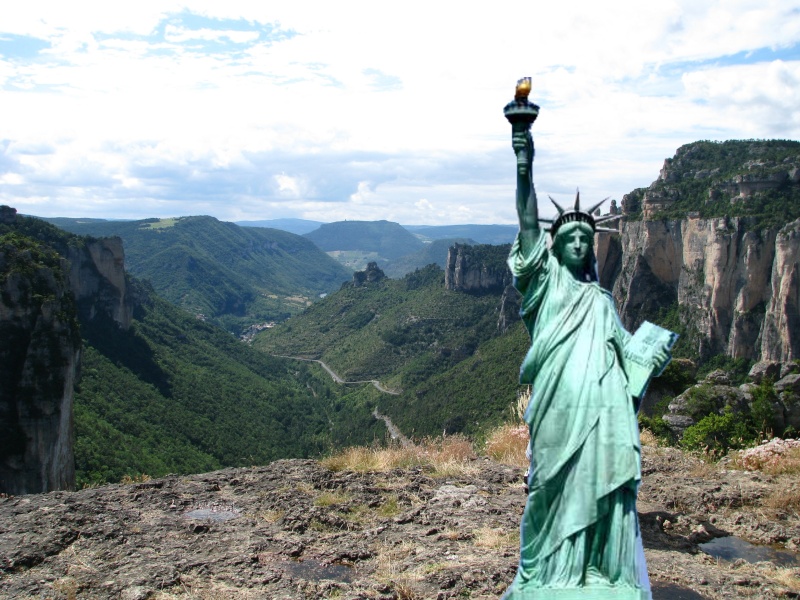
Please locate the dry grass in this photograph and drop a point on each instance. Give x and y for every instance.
(648, 438)
(787, 577)
(272, 516)
(331, 498)
(444, 456)
(496, 539)
(784, 498)
(137, 478)
(389, 569)
(507, 444)
(390, 507)
(67, 586)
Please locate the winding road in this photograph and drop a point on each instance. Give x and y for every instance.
(394, 432)
(338, 379)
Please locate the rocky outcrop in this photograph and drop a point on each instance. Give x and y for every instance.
(479, 268)
(733, 283)
(716, 394)
(39, 358)
(510, 304)
(296, 530)
(781, 329)
(372, 274)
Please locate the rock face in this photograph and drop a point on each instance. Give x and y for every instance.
(43, 295)
(371, 274)
(97, 279)
(736, 289)
(477, 268)
(732, 283)
(39, 359)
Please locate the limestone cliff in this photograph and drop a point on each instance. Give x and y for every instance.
(48, 282)
(39, 358)
(478, 268)
(97, 279)
(732, 283)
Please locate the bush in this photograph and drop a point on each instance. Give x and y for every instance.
(716, 434)
(700, 401)
(762, 413)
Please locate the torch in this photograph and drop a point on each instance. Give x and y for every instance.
(521, 114)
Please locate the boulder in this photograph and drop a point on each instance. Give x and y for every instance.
(768, 369)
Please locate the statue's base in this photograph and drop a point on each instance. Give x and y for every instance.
(581, 593)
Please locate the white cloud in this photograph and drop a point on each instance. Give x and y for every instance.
(324, 110)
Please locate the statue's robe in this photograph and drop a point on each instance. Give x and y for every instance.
(580, 529)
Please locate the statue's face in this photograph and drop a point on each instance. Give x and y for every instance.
(574, 244)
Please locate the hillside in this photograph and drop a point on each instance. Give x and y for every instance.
(296, 226)
(160, 391)
(440, 348)
(233, 276)
(735, 178)
(355, 243)
(174, 394)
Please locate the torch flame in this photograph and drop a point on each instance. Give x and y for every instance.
(523, 88)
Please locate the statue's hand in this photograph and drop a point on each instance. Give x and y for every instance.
(521, 140)
(661, 360)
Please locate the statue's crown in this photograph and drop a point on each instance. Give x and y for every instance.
(576, 214)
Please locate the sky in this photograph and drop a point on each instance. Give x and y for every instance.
(353, 110)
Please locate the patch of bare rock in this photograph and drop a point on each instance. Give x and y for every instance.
(294, 530)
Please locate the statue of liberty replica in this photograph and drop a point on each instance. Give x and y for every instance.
(580, 535)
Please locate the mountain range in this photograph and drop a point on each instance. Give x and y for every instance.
(232, 276)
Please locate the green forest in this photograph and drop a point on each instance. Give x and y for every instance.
(174, 394)
(700, 174)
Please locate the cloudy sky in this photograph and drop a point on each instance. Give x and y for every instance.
(332, 110)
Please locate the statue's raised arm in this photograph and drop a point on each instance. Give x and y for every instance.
(521, 114)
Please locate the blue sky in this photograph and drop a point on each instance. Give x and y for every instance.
(372, 110)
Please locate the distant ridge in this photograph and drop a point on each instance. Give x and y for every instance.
(387, 239)
(296, 226)
(432, 253)
(482, 234)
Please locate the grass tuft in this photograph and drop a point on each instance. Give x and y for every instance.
(507, 444)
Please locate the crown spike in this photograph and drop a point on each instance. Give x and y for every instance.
(596, 206)
(606, 230)
(557, 205)
(578, 200)
(607, 218)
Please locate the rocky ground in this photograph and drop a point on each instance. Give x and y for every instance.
(294, 529)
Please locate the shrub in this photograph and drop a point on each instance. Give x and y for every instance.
(762, 413)
(716, 434)
(700, 401)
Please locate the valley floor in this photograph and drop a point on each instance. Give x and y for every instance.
(294, 529)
